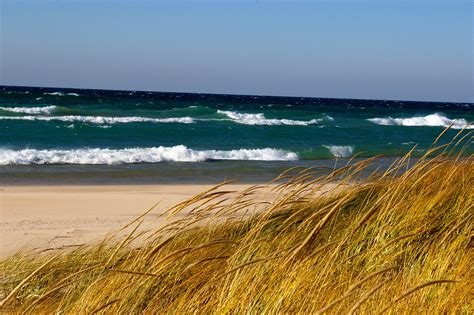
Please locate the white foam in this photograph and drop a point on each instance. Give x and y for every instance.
(179, 153)
(101, 119)
(54, 93)
(30, 110)
(340, 150)
(433, 120)
(17, 92)
(259, 119)
(60, 94)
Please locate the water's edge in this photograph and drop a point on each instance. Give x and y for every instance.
(247, 172)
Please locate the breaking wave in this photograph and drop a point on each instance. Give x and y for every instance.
(179, 153)
(60, 94)
(101, 119)
(259, 119)
(30, 110)
(340, 150)
(246, 119)
(433, 120)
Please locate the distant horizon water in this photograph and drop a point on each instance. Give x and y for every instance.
(230, 94)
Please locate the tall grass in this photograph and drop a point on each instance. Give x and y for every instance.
(398, 241)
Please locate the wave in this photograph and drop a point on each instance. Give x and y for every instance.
(259, 119)
(179, 153)
(17, 92)
(433, 120)
(340, 150)
(30, 110)
(247, 119)
(60, 94)
(101, 119)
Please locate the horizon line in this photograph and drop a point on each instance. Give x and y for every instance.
(231, 94)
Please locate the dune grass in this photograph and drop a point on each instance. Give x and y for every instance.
(395, 242)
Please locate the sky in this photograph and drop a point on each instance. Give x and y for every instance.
(366, 49)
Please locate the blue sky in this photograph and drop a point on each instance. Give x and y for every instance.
(377, 49)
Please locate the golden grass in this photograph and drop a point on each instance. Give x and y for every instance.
(397, 242)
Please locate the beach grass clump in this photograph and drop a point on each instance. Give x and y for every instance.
(398, 241)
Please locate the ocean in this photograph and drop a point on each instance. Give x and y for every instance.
(74, 136)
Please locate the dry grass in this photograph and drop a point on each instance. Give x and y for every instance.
(398, 242)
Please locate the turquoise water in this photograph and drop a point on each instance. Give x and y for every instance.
(42, 126)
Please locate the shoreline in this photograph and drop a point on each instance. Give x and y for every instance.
(167, 173)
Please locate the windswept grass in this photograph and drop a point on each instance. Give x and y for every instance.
(398, 242)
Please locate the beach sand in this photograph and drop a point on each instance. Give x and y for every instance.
(39, 218)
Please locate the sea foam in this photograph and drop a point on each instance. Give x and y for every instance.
(179, 153)
(340, 150)
(259, 119)
(30, 110)
(433, 120)
(60, 94)
(101, 119)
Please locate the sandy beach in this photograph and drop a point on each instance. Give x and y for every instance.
(41, 217)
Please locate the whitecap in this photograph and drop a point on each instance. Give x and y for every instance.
(259, 119)
(61, 94)
(340, 150)
(433, 120)
(101, 119)
(30, 110)
(179, 153)
(17, 92)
